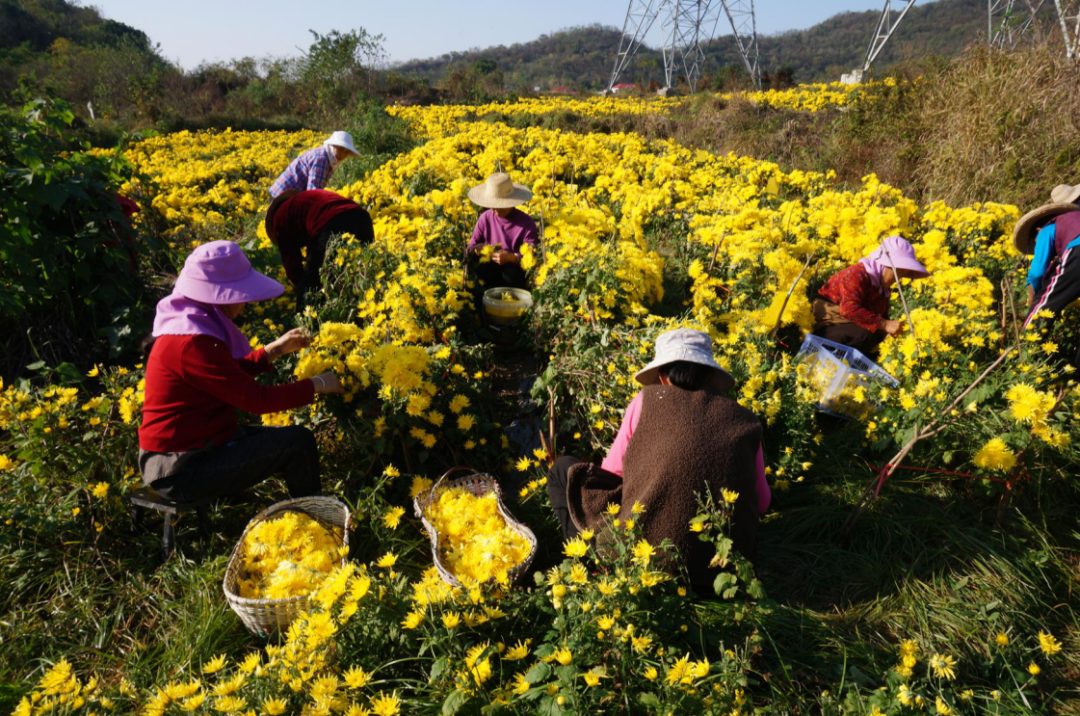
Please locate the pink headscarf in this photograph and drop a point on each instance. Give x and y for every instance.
(214, 274)
(896, 253)
(178, 315)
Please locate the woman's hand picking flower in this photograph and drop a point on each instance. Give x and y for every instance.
(290, 342)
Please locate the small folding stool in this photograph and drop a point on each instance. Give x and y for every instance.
(149, 499)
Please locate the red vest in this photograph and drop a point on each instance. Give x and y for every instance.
(1066, 230)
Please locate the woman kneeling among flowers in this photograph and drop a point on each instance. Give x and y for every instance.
(500, 233)
(680, 436)
(853, 306)
(200, 368)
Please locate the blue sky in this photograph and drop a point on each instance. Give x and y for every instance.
(190, 31)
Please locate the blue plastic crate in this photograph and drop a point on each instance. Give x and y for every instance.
(836, 371)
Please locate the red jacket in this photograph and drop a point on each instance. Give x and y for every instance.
(193, 386)
(301, 218)
(860, 301)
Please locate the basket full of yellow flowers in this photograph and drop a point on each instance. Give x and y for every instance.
(281, 559)
(474, 538)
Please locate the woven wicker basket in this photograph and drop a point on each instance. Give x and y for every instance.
(263, 617)
(478, 484)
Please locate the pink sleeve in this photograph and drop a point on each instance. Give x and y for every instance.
(764, 494)
(614, 460)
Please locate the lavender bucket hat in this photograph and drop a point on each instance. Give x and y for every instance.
(219, 273)
(684, 344)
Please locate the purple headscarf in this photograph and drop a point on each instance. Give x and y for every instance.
(178, 315)
(894, 252)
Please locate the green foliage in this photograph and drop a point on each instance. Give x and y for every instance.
(63, 230)
(335, 62)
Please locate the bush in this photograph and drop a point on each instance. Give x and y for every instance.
(63, 230)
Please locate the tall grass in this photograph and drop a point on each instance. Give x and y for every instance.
(1002, 126)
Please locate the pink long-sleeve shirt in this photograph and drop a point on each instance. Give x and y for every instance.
(614, 460)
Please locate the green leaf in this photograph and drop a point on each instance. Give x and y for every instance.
(438, 668)
(649, 700)
(538, 673)
(725, 585)
(454, 702)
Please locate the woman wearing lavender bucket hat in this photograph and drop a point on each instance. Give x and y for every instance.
(852, 307)
(200, 369)
(680, 437)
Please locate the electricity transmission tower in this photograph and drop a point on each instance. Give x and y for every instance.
(744, 25)
(1069, 16)
(686, 26)
(1008, 20)
(886, 28)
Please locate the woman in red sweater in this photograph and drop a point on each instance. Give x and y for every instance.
(201, 369)
(852, 308)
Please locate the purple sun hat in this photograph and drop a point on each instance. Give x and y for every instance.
(219, 273)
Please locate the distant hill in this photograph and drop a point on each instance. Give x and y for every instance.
(582, 57)
(34, 25)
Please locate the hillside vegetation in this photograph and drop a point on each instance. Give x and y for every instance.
(582, 57)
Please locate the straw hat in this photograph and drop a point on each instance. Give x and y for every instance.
(684, 344)
(343, 140)
(1024, 233)
(1065, 194)
(498, 192)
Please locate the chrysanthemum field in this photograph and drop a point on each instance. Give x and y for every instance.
(949, 590)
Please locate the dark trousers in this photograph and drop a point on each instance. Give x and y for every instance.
(356, 222)
(558, 475)
(1062, 287)
(254, 455)
(851, 335)
(492, 275)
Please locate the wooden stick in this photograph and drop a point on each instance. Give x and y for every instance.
(551, 422)
(783, 307)
(716, 250)
(1012, 309)
(868, 495)
(903, 299)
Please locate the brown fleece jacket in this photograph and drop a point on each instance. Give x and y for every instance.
(683, 442)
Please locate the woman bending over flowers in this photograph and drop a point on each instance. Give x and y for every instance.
(1050, 234)
(852, 308)
(201, 368)
(680, 436)
(500, 233)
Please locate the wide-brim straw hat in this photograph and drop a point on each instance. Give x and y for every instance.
(498, 192)
(343, 140)
(691, 346)
(1024, 233)
(1065, 194)
(219, 273)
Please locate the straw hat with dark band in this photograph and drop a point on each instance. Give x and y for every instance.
(1065, 194)
(498, 192)
(1031, 222)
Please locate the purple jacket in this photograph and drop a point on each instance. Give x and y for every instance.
(508, 234)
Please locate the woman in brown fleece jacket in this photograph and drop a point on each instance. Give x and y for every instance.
(689, 437)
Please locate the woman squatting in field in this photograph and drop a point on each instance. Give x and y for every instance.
(201, 368)
(680, 437)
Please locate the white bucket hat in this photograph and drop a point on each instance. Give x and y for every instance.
(343, 140)
(498, 192)
(684, 344)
